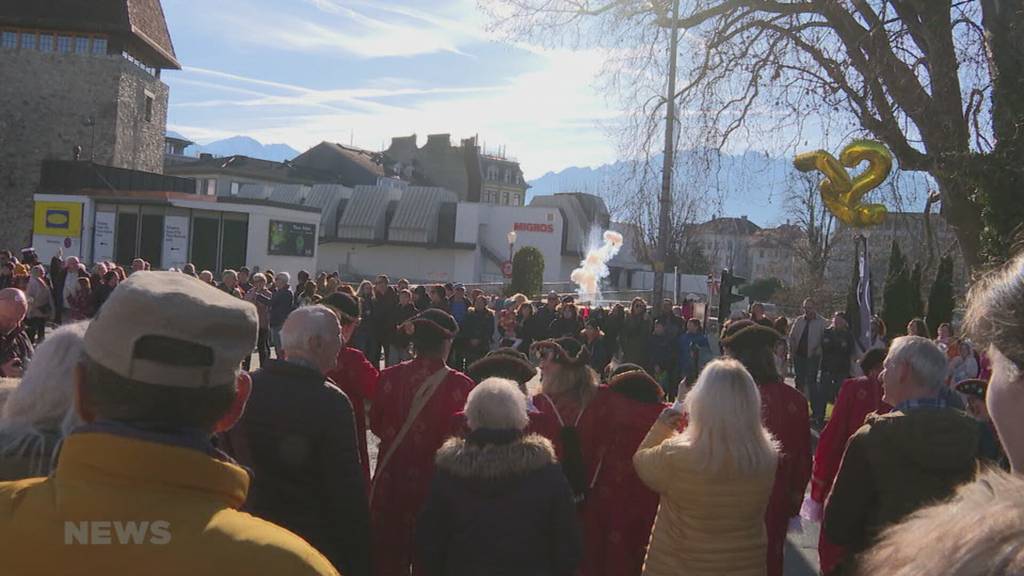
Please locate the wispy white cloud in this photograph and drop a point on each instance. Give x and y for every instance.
(548, 114)
(357, 28)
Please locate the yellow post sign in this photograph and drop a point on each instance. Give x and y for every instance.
(58, 219)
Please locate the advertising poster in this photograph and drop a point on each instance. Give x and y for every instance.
(62, 219)
(175, 251)
(291, 239)
(103, 236)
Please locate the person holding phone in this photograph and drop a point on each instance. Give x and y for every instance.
(15, 346)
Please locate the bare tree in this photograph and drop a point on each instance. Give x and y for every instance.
(808, 212)
(939, 81)
(682, 250)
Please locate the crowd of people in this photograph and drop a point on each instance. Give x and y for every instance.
(397, 429)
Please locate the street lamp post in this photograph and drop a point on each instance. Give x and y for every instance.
(511, 244)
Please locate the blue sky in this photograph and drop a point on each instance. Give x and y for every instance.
(302, 71)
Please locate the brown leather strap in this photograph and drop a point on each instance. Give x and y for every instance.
(419, 401)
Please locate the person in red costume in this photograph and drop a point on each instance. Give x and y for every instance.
(619, 510)
(509, 364)
(569, 390)
(412, 416)
(858, 397)
(354, 374)
(787, 417)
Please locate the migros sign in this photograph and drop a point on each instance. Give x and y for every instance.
(527, 227)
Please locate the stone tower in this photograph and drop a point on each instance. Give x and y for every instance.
(79, 78)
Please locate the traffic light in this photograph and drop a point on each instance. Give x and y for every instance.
(725, 296)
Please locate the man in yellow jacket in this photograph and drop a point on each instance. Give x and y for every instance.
(140, 489)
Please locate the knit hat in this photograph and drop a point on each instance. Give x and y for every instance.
(567, 351)
(344, 305)
(637, 385)
(505, 363)
(973, 387)
(435, 322)
(749, 336)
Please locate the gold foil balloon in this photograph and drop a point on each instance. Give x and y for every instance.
(842, 194)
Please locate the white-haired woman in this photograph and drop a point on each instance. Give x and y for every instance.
(499, 503)
(39, 412)
(715, 478)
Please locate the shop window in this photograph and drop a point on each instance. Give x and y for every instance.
(151, 239)
(446, 218)
(235, 241)
(205, 232)
(127, 237)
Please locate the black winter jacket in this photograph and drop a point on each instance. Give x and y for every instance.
(498, 509)
(298, 436)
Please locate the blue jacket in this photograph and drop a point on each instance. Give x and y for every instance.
(684, 344)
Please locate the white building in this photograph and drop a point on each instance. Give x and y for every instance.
(426, 235)
(173, 228)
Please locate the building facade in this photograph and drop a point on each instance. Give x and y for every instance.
(80, 79)
(226, 175)
(474, 176)
(909, 231)
(726, 243)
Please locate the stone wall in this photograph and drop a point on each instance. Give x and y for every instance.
(45, 100)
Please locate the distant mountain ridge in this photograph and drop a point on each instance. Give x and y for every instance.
(749, 184)
(242, 146)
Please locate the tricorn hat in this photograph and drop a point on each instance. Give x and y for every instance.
(505, 363)
(435, 321)
(344, 305)
(749, 337)
(567, 351)
(638, 385)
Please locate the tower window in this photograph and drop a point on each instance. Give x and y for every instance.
(46, 42)
(82, 44)
(64, 44)
(9, 39)
(149, 107)
(28, 40)
(99, 45)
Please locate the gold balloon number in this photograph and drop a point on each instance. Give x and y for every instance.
(842, 194)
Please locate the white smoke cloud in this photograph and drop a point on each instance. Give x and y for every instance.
(594, 267)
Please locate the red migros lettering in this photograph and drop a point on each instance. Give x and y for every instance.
(527, 227)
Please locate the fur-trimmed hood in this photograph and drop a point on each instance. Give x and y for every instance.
(495, 461)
